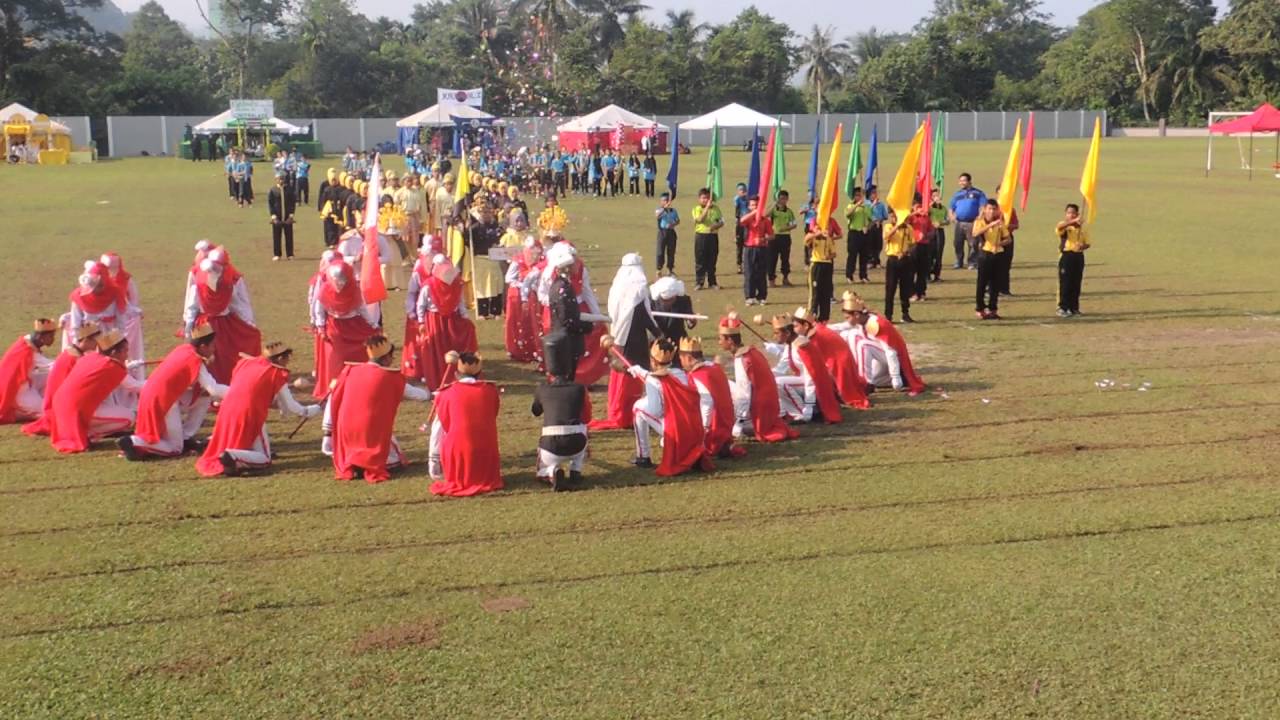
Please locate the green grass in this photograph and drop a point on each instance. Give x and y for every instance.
(1027, 545)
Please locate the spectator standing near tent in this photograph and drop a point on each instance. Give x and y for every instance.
(650, 174)
(966, 206)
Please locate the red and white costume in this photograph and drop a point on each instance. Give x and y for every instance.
(83, 407)
(173, 403)
(628, 296)
(442, 321)
(96, 299)
(842, 366)
(240, 430)
(342, 319)
(131, 318)
(62, 366)
(219, 296)
(594, 362)
(24, 371)
(360, 417)
(716, 405)
(464, 439)
(755, 399)
(523, 311)
(671, 408)
(881, 353)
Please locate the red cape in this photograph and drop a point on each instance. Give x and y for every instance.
(438, 335)
(90, 382)
(363, 406)
(216, 302)
(765, 411)
(682, 433)
(719, 438)
(523, 336)
(468, 412)
(825, 386)
(624, 390)
(15, 369)
(177, 372)
(838, 358)
(62, 366)
(344, 343)
(888, 333)
(411, 351)
(254, 385)
(594, 363)
(233, 337)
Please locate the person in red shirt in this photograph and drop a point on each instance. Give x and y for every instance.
(360, 417)
(922, 255)
(175, 400)
(464, 436)
(82, 410)
(86, 341)
(23, 372)
(755, 253)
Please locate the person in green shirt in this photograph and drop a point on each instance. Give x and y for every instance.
(707, 221)
(858, 242)
(784, 221)
(939, 217)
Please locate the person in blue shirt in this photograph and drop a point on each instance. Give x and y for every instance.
(668, 219)
(879, 215)
(304, 179)
(966, 205)
(650, 174)
(740, 205)
(633, 175)
(229, 168)
(559, 181)
(244, 179)
(609, 164)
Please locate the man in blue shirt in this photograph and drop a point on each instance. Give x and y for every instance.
(740, 203)
(304, 179)
(879, 215)
(668, 219)
(609, 164)
(965, 207)
(558, 178)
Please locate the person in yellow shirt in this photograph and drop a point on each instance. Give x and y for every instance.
(784, 221)
(1073, 240)
(992, 236)
(858, 244)
(822, 261)
(899, 243)
(707, 221)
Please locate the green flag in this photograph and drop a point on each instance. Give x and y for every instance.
(939, 152)
(855, 160)
(715, 180)
(779, 161)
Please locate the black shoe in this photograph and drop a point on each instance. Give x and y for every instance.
(557, 480)
(228, 465)
(194, 445)
(642, 462)
(126, 448)
(907, 318)
(575, 480)
(870, 389)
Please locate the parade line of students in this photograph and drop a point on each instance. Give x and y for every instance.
(661, 379)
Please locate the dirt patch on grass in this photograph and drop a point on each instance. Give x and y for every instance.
(181, 667)
(424, 633)
(505, 604)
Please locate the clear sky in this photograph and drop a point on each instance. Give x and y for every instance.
(846, 17)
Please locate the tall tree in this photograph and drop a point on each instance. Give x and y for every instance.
(238, 24)
(748, 60)
(822, 58)
(163, 69)
(30, 27)
(607, 17)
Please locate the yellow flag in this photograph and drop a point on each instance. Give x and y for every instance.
(1009, 184)
(1089, 180)
(830, 184)
(463, 186)
(903, 190)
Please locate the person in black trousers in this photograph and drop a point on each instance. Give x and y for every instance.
(560, 402)
(650, 172)
(282, 203)
(668, 219)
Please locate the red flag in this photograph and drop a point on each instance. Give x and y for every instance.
(371, 284)
(766, 173)
(1028, 150)
(924, 169)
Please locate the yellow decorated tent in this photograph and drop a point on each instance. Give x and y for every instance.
(30, 136)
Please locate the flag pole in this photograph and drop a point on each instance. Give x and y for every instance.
(471, 250)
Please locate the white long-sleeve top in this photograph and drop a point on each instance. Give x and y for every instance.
(411, 297)
(320, 314)
(860, 342)
(652, 398)
(427, 305)
(788, 364)
(212, 387)
(287, 405)
(706, 403)
(240, 306)
(110, 318)
(740, 384)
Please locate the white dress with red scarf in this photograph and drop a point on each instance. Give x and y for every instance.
(225, 306)
(340, 315)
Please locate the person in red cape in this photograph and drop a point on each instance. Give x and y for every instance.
(219, 298)
(239, 442)
(175, 400)
(24, 372)
(671, 408)
(418, 276)
(523, 316)
(82, 409)
(443, 321)
(131, 317)
(807, 373)
(464, 434)
(632, 328)
(837, 357)
(96, 299)
(755, 394)
(341, 317)
(319, 356)
(86, 342)
(879, 348)
(360, 417)
(716, 400)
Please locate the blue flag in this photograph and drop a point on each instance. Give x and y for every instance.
(673, 173)
(873, 159)
(753, 175)
(813, 159)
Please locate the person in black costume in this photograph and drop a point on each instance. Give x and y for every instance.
(561, 403)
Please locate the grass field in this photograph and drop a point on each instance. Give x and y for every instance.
(1016, 543)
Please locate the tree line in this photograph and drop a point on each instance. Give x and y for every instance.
(1139, 59)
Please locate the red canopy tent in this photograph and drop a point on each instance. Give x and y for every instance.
(1266, 119)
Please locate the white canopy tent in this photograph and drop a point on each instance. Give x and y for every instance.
(29, 115)
(225, 122)
(609, 117)
(732, 115)
(443, 115)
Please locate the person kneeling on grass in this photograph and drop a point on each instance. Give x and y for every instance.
(564, 408)
(670, 407)
(1073, 240)
(239, 442)
(175, 400)
(878, 347)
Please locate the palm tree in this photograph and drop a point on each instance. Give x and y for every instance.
(823, 58)
(608, 17)
(552, 18)
(867, 46)
(681, 27)
(484, 20)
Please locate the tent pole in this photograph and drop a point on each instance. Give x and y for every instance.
(1208, 162)
(1251, 155)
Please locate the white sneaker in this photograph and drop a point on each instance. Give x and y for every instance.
(751, 301)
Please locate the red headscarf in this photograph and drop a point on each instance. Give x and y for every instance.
(216, 302)
(122, 276)
(346, 300)
(99, 299)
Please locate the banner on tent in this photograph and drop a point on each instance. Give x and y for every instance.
(253, 109)
(473, 97)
